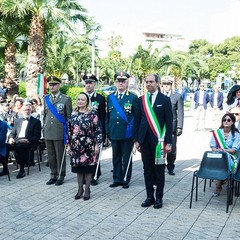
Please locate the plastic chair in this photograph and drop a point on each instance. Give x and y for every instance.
(39, 157)
(236, 179)
(214, 166)
(1, 161)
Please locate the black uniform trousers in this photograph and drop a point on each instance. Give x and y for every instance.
(153, 174)
(121, 150)
(171, 157)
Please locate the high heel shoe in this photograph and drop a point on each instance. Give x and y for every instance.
(86, 196)
(78, 196)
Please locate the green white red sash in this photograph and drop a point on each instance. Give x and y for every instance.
(221, 144)
(154, 125)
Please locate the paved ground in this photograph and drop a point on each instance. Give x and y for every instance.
(32, 210)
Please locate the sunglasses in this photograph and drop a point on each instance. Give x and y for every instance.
(166, 84)
(227, 120)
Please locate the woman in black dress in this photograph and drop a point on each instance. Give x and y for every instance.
(84, 139)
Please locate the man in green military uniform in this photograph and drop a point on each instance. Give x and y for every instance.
(57, 109)
(122, 111)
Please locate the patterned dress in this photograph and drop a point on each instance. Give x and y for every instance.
(84, 132)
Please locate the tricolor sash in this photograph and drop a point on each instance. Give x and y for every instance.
(122, 114)
(221, 144)
(58, 116)
(155, 127)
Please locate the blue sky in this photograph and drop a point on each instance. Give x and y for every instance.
(214, 20)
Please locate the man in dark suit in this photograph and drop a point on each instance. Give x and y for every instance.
(216, 102)
(57, 110)
(154, 138)
(24, 136)
(3, 149)
(201, 99)
(122, 112)
(178, 116)
(98, 103)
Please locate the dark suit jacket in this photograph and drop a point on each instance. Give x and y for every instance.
(115, 125)
(177, 109)
(205, 99)
(3, 135)
(219, 100)
(101, 110)
(163, 111)
(33, 130)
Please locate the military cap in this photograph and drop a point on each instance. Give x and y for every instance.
(121, 76)
(53, 80)
(89, 78)
(167, 79)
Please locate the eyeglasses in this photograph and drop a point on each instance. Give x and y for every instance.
(227, 120)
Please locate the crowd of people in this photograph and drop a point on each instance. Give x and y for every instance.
(150, 124)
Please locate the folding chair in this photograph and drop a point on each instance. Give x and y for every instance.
(214, 166)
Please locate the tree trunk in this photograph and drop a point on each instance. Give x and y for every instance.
(10, 69)
(35, 54)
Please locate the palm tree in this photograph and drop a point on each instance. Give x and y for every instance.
(44, 13)
(12, 32)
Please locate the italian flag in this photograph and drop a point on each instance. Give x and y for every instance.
(41, 85)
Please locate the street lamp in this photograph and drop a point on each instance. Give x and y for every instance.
(93, 55)
(92, 37)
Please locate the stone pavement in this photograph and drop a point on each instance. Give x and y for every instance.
(32, 210)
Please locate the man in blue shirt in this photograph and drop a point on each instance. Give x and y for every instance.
(3, 89)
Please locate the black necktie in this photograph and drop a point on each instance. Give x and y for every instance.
(120, 96)
(238, 103)
(53, 98)
(150, 98)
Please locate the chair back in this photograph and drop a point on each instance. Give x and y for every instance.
(214, 165)
(237, 173)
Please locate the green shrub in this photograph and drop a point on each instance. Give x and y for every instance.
(72, 92)
(22, 89)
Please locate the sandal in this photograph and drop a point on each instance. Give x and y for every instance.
(217, 192)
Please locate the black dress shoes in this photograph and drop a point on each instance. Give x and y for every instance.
(59, 182)
(115, 185)
(148, 202)
(21, 174)
(3, 172)
(125, 185)
(51, 181)
(94, 182)
(158, 203)
(171, 172)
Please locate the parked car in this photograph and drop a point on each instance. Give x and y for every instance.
(109, 89)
